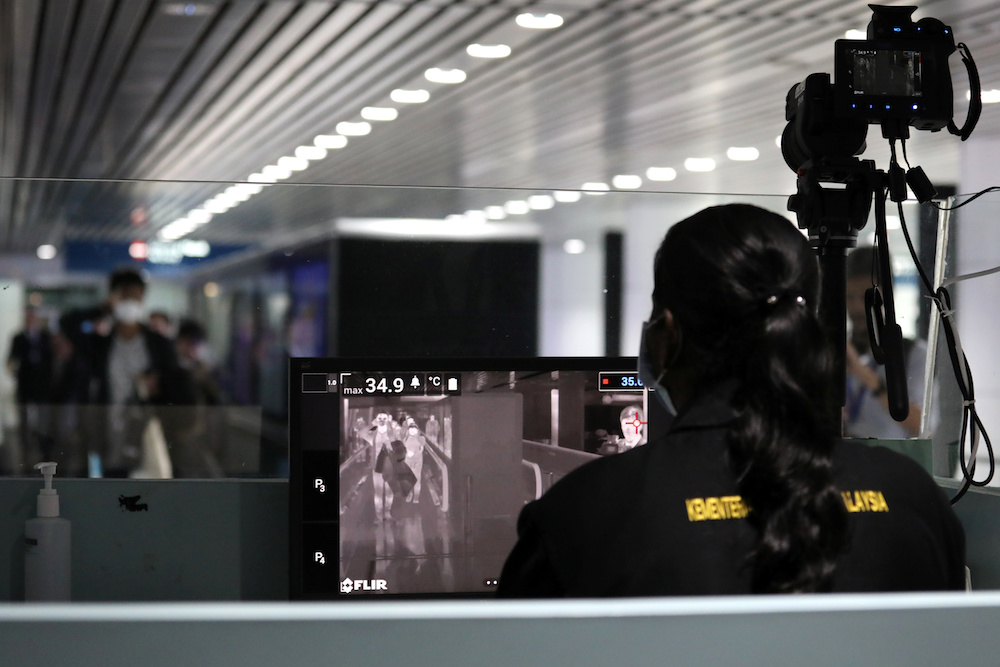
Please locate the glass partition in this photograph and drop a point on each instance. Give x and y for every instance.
(967, 266)
(323, 271)
(514, 176)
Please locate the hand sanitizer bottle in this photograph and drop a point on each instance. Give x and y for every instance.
(47, 547)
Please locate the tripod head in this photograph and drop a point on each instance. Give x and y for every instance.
(834, 193)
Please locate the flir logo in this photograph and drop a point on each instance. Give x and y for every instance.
(351, 585)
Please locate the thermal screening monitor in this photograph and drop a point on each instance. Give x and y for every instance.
(407, 476)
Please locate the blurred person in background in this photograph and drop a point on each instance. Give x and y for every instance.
(159, 321)
(866, 409)
(197, 450)
(133, 375)
(29, 361)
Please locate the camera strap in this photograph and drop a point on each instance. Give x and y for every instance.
(975, 95)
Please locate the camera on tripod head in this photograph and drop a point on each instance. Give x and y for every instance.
(897, 78)
(900, 73)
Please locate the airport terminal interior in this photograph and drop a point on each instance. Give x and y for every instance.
(425, 183)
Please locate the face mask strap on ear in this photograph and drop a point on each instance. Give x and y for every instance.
(647, 373)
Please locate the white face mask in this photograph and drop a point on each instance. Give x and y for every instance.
(129, 311)
(648, 376)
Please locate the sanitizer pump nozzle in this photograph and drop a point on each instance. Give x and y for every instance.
(48, 498)
(47, 540)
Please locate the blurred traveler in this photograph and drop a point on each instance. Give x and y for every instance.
(133, 375)
(866, 409)
(30, 363)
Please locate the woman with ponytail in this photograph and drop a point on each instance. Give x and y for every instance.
(749, 491)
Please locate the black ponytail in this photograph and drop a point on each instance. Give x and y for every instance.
(743, 285)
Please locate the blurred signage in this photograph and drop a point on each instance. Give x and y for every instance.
(154, 256)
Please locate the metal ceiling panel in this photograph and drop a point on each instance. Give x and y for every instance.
(166, 102)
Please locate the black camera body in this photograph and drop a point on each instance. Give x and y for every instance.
(899, 74)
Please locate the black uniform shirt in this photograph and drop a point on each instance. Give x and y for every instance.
(667, 519)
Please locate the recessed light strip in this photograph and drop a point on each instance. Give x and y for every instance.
(305, 155)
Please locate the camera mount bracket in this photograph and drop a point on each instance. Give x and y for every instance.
(832, 203)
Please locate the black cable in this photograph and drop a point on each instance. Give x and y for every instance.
(971, 423)
(971, 199)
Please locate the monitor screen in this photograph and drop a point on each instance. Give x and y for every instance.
(407, 476)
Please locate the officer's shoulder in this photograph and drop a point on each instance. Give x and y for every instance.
(601, 474)
(855, 458)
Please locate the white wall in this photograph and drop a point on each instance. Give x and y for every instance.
(571, 318)
(571, 303)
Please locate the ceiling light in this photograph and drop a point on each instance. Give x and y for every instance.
(237, 193)
(516, 207)
(177, 229)
(742, 153)
(488, 50)
(574, 247)
(454, 227)
(541, 202)
(539, 21)
(293, 163)
(276, 172)
(379, 113)
(216, 205)
(987, 96)
(856, 34)
(418, 96)
(661, 173)
(310, 152)
(331, 141)
(354, 129)
(199, 216)
(475, 216)
(626, 181)
(699, 164)
(567, 196)
(495, 212)
(250, 188)
(46, 251)
(260, 178)
(196, 249)
(595, 188)
(230, 196)
(449, 76)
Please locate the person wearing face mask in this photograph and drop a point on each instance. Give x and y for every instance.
(751, 489)
(380, 437)
(133, 374)
(866, 411)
